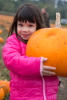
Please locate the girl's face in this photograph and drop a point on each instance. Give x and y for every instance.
(25, 29)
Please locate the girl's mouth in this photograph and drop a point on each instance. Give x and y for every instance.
(25, 36)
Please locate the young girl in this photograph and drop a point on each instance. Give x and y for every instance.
(30, 79)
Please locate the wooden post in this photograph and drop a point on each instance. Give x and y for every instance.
(58, 20)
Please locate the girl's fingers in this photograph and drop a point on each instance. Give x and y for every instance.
(48, 73)
(45, 59)
(49, 68)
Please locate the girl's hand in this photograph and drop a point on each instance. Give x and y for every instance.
(46, 70)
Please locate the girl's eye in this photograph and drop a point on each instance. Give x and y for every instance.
(20, 25)
(30, 25)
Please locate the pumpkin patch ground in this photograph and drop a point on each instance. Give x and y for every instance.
(50, 43)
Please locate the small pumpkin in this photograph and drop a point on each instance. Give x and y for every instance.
(4, 89)
(5, 85)
(1, 40)
(0, 31)
(2, 94)
(50, 43)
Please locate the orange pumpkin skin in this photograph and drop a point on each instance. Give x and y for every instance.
(0, 31)
(5, 85)
(2, 94)
(4, 89)
(50, 43)
(1, 40)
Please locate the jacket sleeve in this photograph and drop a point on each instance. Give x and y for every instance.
(23, 65)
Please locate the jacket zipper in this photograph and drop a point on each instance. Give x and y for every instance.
(44, 88)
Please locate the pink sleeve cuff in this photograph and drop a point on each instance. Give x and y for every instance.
(41, 67)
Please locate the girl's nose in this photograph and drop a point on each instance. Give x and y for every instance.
(25, 29)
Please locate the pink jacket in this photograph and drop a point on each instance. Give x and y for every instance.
(26, 82)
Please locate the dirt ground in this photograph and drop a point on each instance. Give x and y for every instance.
(62, 93)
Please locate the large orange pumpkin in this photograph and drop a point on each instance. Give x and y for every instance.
(50, 43)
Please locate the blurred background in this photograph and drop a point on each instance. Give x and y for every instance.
(8, 9)
(10, 6)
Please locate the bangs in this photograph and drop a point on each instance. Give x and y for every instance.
(26, 14)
